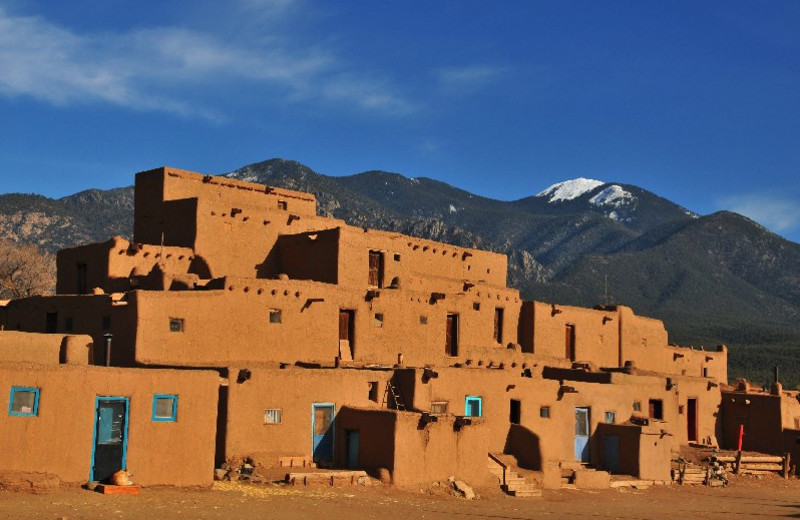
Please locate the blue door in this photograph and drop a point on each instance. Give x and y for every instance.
(322, 431)
(110, 439)
(582, 434)
(472, 406)
(353, 439)
(611, 453)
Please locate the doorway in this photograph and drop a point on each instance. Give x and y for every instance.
(582, 434)
(451, 335)
(569, 342)
(347, 343)
(353, 441)
(322, 431)
(611, 453)
(110, 440)
(691, 419)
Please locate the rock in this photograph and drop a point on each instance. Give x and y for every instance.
(363, 481)
(30, 482)
(463, 488)
(220, 474)
(451, 479)
(384, 475)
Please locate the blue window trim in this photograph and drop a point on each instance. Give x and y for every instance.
(174, 416)
(97, 400)
(35, 401)
(473, 398)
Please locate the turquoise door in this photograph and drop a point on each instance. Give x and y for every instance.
(611, 453)
(582, 434)
(322, 415)
(353, 439)
(110, 439)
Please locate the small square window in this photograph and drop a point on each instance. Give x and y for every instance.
(165, 408)
(396, 257)
(476, 306)
(544, 412)
(439, 408)
(378, 321)
(176, 324)
(24, 401)
(656, 409)
(275, 316)
(282, 205)
(423, 320)
(373, 391)
(273, 416)
(473, 406)
(637, 406)
(611, 417)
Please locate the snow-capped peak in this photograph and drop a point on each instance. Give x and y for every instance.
(569, 190)
(613, 196)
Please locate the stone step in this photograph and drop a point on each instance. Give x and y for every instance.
(526, 493)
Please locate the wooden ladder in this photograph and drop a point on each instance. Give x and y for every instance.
(395, 393)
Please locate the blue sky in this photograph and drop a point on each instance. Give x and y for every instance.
(696, 101)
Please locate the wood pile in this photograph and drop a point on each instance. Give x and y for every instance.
(686, 473)
(755, 465)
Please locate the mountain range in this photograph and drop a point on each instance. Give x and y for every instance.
(718, 278)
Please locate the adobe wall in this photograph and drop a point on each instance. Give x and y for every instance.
(376, 429)
(790, 409)
(153, 187)
(761, 416)
(47, 349)
(111, 265)
(232, 325)
(642, 340)
(92, 315)
(439, 451)
(293, 391)
(553, 437)
(59, 439)
(596, 332)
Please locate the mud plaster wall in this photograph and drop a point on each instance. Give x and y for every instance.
(596, 333)
(293, 391)
(439, 451)
(553, 437)
(48, 349)
(59, 439)
(89, 314)
(376, 429)
(790, 410)
(643, 451)
(761, 416)
(233, 325)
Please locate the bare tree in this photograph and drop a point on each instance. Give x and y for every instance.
(25, 270)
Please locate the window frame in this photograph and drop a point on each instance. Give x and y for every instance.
(280, 416)
(610, 414)
(440, 403)
(171, 418)
(179, 321)
(544, 411)
(275, 316)
(36, 392)
(469, 398)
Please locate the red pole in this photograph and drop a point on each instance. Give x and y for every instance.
(741, 435)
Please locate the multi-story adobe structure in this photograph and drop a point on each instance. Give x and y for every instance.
(238, 313)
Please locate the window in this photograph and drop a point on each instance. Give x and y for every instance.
(439, 407)
(451, 335)
(544, 412)
(515, 411)
(176, 324)
(378, 321)
(373, 391)
(273, 416)
(423, 320)
(472, 406)
(498, 325)
(396, 257)
(282, 205)
(274, 315)
(476, 306)
(611, 417)
(656, 409)
(24, 401)
(165, 408)
(569, 342)
(637, 406)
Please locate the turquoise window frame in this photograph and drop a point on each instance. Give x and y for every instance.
(15, 389)
(480, 405)
(171, 418)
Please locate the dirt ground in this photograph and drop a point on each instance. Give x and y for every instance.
(746, 497)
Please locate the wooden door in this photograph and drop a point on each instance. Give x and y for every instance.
(569, 342)
(691, 419)
(346, 334)
(451, 335)
(110, 437)
(375, 269)
(582, 434)
(498, 325)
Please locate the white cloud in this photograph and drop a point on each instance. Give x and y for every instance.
(777, 213)
(468, 78)
(160, 68)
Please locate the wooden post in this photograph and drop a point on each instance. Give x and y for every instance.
(739, 452)
(787, 457)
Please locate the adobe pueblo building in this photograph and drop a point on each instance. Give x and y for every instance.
(239, 324)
